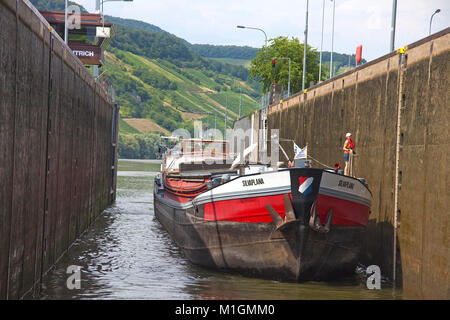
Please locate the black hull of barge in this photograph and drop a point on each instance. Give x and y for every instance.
(294, 253)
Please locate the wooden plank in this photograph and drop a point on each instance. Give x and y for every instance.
(7, 104)
(21, 181)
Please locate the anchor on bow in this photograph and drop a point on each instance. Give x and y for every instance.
(314, 220)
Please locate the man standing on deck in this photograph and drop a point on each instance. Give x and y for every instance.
(348, 149)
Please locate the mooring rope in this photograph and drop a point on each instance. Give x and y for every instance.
(320, 163)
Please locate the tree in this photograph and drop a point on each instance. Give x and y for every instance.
(139, 146)
(261, 66)
(129, 147)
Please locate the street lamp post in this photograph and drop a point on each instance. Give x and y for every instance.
(332, 40)
(431, 19)
(66, 27)
(305, 47)
(393, 19)
(289, 77)
(253, 28)
(321, 42)
(265, 48)
(98, 2)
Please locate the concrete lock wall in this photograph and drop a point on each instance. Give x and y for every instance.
(407, 169)
(55, 148)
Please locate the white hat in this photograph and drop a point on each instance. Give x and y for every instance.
(348, 134)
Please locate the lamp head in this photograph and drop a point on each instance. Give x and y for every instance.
(241, 27)
(437, 11)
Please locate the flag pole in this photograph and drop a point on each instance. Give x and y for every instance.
(306, 162)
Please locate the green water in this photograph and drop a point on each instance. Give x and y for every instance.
(126, 254)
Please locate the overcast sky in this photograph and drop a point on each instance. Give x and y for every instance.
(356, 21)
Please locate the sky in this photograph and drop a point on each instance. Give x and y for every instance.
(357, 22)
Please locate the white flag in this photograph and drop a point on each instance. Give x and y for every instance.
(300, 153)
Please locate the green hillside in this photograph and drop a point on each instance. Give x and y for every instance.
(217, 51)
(235, 61)
(162, 78)
(126, 128)
(135, 24)
(162, 91)
(156, 76)
(53, 5)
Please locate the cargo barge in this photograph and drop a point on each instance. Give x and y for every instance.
(288, 224)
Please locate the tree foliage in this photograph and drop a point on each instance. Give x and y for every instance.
(139, 146)
(135, 24)
(54, 5)
(150, 44)
(282, 47)
(235, 52)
